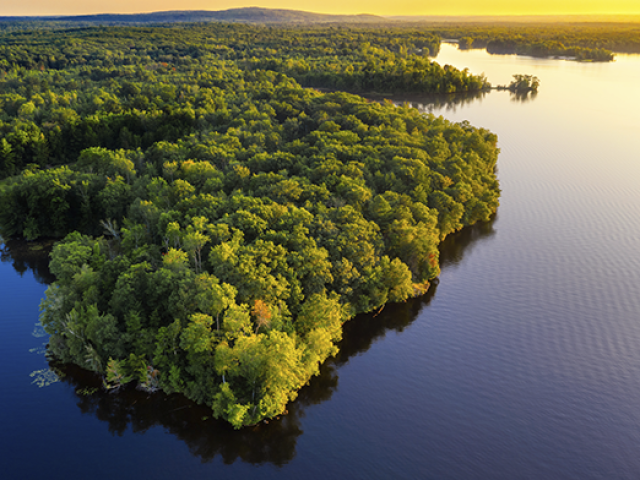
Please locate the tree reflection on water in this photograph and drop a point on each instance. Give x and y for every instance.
(448, 102)
(32, 256)
(268, 442)
(523, 97)
(429, 103)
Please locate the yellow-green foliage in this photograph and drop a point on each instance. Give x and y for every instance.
(222, 221)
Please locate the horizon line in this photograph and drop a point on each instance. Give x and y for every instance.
(409, 16)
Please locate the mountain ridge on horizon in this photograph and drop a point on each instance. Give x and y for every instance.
(245, 14)
(269, 15)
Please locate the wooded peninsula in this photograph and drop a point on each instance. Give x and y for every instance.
(221, 221)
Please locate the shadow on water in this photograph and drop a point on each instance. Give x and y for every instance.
(363, 331)
(205, 437)
(430, 103)
(424, 102)
(523, 97)
(456, 246)
(439, 103)
(447, 102)
(273, 442)
(26, 256)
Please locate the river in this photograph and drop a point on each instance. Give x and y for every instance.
(522, 363)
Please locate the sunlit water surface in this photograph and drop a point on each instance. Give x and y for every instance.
(523, 363)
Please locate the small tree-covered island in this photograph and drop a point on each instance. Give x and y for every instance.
(219, 222)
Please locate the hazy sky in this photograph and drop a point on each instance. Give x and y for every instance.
(379, 7)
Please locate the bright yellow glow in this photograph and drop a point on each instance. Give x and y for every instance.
(378, 7)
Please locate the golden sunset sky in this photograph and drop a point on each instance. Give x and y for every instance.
(378, 7)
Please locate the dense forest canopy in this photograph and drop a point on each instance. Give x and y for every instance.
(584, 41)
(586, 38)
(63, 91)
(221, 222)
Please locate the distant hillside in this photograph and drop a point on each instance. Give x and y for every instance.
(515, 19)
(267, 15)
(245, 15)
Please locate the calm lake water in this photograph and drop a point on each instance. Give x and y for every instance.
(523, 363)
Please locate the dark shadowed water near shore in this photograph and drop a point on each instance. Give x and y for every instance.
(522, 363)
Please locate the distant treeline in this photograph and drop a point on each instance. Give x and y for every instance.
(595, 42)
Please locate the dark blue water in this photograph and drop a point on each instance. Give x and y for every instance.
(523, 363)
